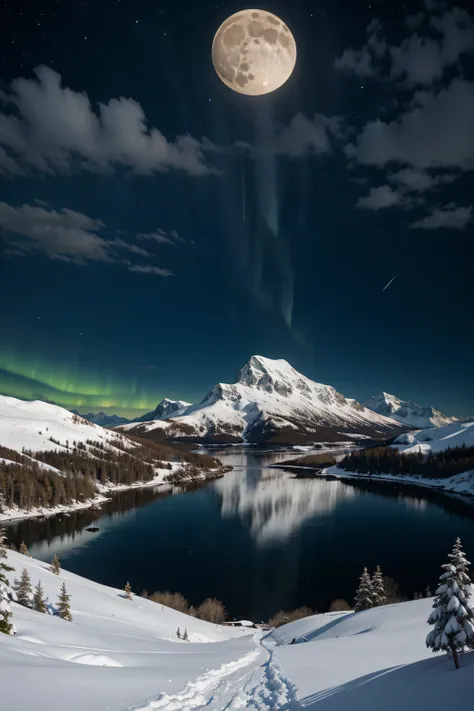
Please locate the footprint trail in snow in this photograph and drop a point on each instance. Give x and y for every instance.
(265, 688)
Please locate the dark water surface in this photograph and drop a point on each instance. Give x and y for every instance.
(258, 539)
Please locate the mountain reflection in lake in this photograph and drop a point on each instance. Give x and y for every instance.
(259, 539)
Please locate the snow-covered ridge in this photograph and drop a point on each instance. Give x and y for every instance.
(166, 408)
(271, 402)
(407, 412)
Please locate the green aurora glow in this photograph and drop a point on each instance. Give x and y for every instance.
(69, 387)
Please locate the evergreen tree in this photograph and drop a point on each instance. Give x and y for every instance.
(452, 615)
(23, 549)
(39, 603)
(128, 591)
(64, 610)
(55, 566)
(23, 589)
(185, 635)
(5, 611)
(380, 597)
(428, 592)
(4, 567)
(178, 633)
(364, 598)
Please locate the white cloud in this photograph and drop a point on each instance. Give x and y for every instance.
(302, 136)
(147, 269)
(421, 58)
(450, 216)
(66, 235)
(54, 129)
(436, 132)
(419, 180)
(162, 237)
(379, 198)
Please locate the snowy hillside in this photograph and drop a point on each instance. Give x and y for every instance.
(271, 402)
(407, 412)
(122, 654)
(31, 425)
(82, 460)
(430, 441)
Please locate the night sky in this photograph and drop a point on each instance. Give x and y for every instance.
(157, 228)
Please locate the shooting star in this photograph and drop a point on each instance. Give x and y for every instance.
(391, 281)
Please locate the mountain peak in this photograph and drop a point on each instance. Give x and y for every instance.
(406, 411)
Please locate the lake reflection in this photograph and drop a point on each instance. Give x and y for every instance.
(259, 539)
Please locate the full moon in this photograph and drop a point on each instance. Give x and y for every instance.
(254, 52)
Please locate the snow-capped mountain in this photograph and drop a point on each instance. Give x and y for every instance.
(270, 402)
(102, 419)
(165, 409)
(407, 412)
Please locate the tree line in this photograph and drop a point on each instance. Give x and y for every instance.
(386, 460)
(26, 484)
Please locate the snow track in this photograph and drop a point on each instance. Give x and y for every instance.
(266, 689)
(203, 690)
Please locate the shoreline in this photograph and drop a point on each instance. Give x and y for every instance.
(458, 484)
(101, 498)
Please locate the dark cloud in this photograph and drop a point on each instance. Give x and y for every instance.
(450, 216)
(443, 35)
(430, 140)
(147, 269)
(66, 235)
(420, 137)
(379, 198)
(419, 180)
(162, 237)
(53, 129)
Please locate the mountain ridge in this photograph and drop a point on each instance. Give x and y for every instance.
(270, 402)
(407, 412)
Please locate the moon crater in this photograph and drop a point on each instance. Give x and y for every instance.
(251, 54)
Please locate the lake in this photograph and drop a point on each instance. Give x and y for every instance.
(258, 539)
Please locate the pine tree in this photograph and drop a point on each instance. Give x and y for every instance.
(55, 566)
(64, 610)
(39, 603)
(23, 549)
(4, 567)
(23, 589)
(178, 633)
(185, 635)
(128, 591)
(428, 592)
(5, 611)
(380, 597)
(452, 615)
(364, 598)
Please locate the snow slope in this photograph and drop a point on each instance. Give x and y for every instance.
(431, 441)
(32, 424)
(271, 402)
(121, 654)
(407, 412)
